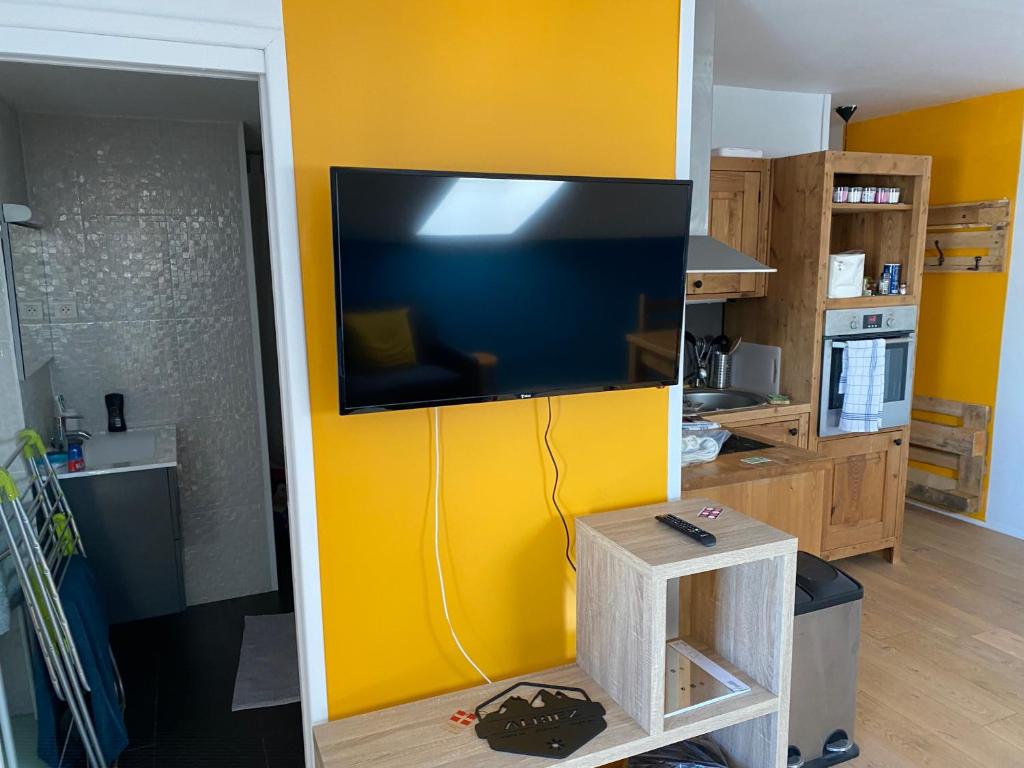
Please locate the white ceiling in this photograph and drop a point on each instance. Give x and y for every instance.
(884, 55)
(78, 90)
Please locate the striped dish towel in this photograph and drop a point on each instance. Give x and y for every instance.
(862, 385)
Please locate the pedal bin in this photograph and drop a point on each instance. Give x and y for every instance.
(826, 643)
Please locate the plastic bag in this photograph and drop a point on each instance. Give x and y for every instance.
(701, 752)
(703, 446)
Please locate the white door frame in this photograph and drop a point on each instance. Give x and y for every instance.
(44, 33)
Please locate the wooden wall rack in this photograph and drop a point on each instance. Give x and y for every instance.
(639, 585)
(959, 447)
(976, 232)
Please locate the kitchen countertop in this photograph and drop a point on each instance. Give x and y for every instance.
(136, 450)
(729, 468)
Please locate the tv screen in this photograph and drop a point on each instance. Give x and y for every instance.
(458, 288)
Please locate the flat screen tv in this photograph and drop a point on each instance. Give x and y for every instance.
(463, 287)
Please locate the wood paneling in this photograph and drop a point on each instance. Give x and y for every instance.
(790, 315)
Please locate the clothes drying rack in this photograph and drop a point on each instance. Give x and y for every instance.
(42, 535)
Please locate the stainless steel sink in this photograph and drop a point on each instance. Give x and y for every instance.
(705, 400)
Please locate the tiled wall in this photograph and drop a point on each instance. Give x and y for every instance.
(145, 234)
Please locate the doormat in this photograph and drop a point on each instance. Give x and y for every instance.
(268, 666)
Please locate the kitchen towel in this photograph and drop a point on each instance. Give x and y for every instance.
(700, 449)
(862, 385)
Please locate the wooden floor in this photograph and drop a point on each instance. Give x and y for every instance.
(942, 649)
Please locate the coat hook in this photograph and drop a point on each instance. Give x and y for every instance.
(977, 264)
(942, 256)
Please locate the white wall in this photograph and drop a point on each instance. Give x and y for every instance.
(779, 122)
(1005, 510)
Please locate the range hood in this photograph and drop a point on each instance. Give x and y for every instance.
(709, 255)
(706, 254)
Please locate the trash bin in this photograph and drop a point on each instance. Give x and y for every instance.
(700, 752)
(826, 643)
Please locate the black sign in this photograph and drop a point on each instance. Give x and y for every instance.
(552, 723)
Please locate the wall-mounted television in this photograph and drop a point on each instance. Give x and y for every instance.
(464, 287)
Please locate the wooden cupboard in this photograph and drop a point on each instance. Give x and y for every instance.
(787, 424)
(792, 491)
(738, 215)
(868, 490)
(806, 227)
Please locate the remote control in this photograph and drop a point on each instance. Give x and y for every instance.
(697, 534)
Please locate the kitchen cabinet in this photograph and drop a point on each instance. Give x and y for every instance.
(806, 228)
(786, 424)
(792, 491)
(868, 490)
(738, 212)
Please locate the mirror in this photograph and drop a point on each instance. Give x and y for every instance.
(24, 261)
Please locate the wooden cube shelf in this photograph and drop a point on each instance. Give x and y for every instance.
(641, 584)
(635, 578)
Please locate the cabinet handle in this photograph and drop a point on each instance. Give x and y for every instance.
(698, 283)
(794, 431)
(898, 441)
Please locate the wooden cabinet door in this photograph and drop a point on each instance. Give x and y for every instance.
(738, 216)
(789, 431)
(796, 504)
(865, 490)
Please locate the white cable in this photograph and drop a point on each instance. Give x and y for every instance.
(437, 548)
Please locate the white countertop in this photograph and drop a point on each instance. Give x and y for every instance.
(136, 450)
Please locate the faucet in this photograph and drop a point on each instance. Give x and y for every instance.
(62, 418)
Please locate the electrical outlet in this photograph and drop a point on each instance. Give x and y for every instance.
(65, 310)
(31, 311)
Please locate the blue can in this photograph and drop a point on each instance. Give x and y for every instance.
(892, 271)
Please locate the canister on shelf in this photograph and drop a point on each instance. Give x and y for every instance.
(840, 194)
(894, 195)
(855, 194)
(869, 194)
(893, 272)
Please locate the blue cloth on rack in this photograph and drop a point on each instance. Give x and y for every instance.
(90, 631)
(5, 604)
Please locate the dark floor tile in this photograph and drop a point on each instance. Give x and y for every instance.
(282, 735)
(144, 757)
(210, 752)
(180, 677)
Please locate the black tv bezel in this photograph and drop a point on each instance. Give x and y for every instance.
(337, 172)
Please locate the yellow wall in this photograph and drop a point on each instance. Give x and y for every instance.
(975, 147)
(533, 86)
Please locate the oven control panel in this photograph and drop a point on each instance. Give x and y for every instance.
(870, 322)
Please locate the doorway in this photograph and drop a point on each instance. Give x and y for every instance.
(148, 285)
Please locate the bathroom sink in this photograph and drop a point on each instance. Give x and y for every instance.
(120, 448)
(705, 400)
(136, 449)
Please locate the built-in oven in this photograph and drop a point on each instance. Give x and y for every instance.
(894, 325)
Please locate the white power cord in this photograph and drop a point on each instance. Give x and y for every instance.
(437, 548)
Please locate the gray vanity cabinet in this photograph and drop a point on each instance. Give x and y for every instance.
(131, 527)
